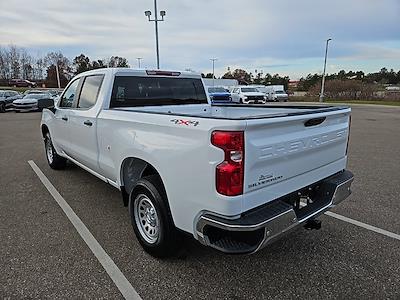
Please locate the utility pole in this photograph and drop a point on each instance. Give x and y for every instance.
(321, 96)
(147, 13)
(213, 64)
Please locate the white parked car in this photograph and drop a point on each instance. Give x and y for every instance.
(247, 95)
(30, 102)
(234, 177)
(277, 93)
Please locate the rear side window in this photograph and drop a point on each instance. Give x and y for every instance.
(131, 91)
(90, 90)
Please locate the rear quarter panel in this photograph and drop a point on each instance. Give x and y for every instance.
(182, 154)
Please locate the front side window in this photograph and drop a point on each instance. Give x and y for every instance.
(90, 91)
(131, 91)
(69, 95)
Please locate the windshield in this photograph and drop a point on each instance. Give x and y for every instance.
(36, 96)
(216, 90)
(131, 91)
(2, 94)
(279, 92)
(249, 90)
(262, 89)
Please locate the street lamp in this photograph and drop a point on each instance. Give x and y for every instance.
(138, 59)
(213, 63)
(147, 13)
(58, 75)
(321, 96)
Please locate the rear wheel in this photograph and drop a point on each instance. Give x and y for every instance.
(54, 160)
(151, 219)
(2, 108)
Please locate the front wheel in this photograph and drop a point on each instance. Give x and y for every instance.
(151, 219)
(2, 108)
(54, 160)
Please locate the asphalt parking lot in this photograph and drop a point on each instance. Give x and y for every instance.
(43, 256)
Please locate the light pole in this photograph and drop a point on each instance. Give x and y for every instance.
(321, 96)
(58, 75)
(138, 59)
(147, 13)
(213, 63)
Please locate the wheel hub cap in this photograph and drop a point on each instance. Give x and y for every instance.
(146, 218)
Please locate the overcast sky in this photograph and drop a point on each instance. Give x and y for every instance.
(276, 36)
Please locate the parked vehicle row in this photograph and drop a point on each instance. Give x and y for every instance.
(28, 101)
(248, 94)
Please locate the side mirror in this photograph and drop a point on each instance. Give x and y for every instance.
(45, 103)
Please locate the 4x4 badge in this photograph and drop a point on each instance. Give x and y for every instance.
(185, 122)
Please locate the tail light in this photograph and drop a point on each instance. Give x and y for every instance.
(348, 135)
(230, 173)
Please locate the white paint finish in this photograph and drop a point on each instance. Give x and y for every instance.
(108, 264)
(364, 225)
(186, 160)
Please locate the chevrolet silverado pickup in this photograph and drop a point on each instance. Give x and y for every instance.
(235, 177)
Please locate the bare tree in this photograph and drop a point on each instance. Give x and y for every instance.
(15, 61)
(26, 64)
(5, 64)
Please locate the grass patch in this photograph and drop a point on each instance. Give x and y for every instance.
(17, 89)
(376, 102)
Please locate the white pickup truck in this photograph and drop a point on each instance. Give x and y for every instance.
(235, 177)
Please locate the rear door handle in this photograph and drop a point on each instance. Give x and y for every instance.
(88, 123)
(64, 118)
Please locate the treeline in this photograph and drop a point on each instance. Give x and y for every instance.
(311, 81)
(18, 63)
(384, 76)
(245, 77)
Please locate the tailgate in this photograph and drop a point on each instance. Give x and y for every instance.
(284, 154)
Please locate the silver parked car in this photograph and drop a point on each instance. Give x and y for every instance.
(30, 102)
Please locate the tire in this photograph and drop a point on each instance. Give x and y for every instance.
(54, 160)
(2, 108)
(151, 218)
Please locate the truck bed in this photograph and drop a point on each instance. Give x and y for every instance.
(234, 112)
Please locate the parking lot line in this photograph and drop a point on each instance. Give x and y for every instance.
(108, 264)
(363, 225)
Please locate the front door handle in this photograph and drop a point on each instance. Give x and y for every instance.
(88, 123)
(64, 118)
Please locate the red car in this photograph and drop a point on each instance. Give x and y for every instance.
(21, 83)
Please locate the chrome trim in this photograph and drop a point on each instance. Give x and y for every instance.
(277, 225)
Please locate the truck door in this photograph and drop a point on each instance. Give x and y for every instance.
(60, 126)
(83, 123)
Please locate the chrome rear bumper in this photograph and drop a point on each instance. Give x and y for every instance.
(257, 228)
